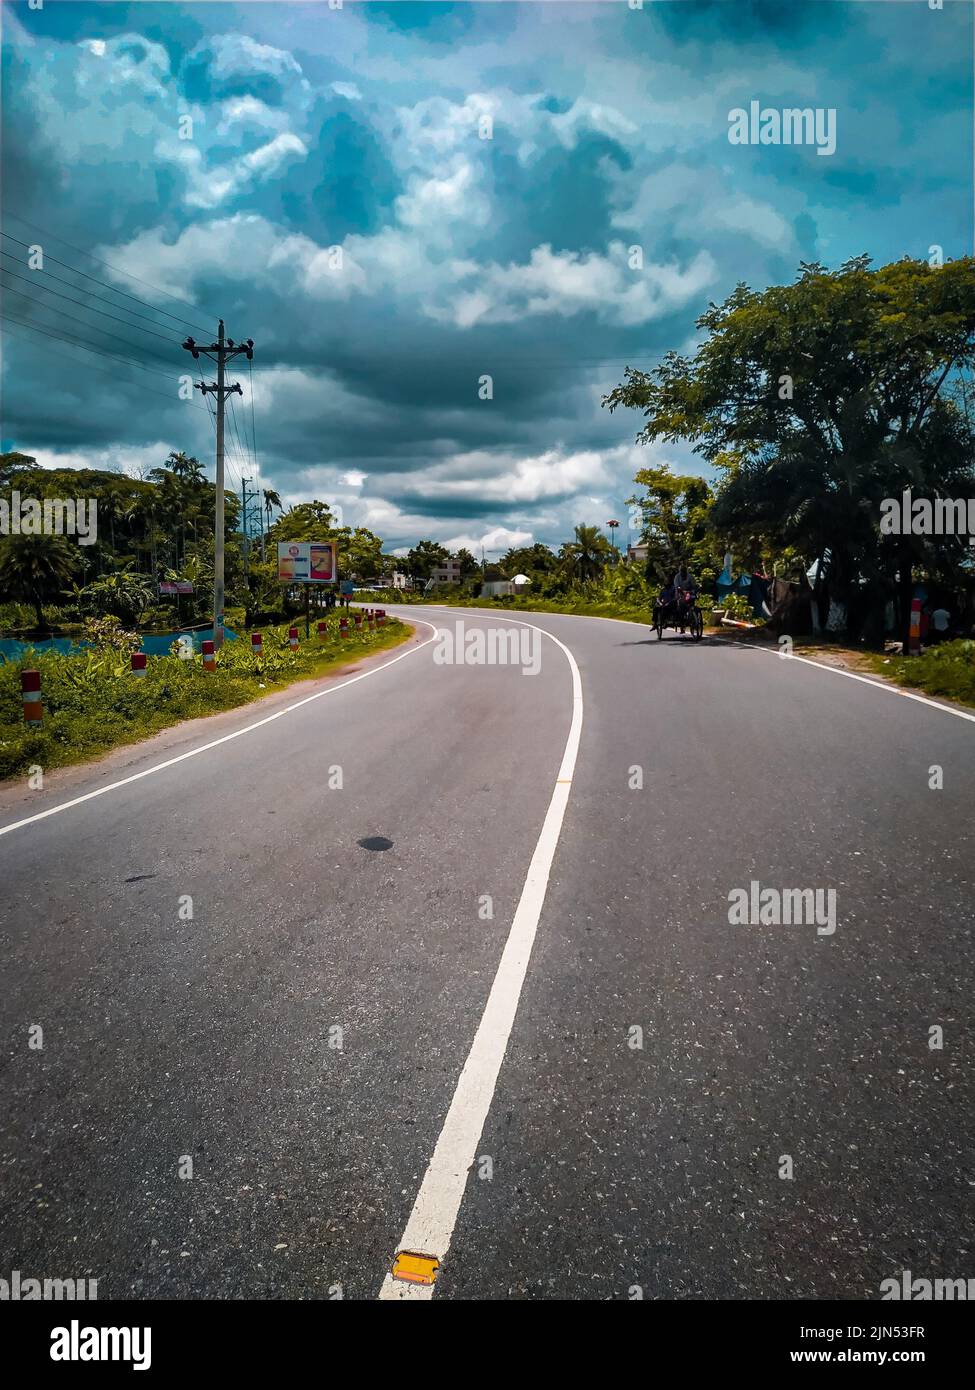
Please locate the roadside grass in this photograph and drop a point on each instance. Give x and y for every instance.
(93, 702)
(947, 670)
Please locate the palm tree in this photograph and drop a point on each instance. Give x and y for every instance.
(184, 466)
(35, 568)
(588, 553)
(271, 499)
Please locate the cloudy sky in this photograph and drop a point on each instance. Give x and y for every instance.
(484, 170)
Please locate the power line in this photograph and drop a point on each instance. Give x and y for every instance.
(82, 305)
(95, 366)
(115, 270)
(253, 425)
(211, 411)
(75, 342)
(91, 327)
(233, 422)
(35, 275)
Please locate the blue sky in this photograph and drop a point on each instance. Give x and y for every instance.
(364, 128)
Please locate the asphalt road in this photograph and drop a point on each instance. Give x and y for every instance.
(303, 1036)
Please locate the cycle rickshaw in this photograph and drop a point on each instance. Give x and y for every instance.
(682, 614)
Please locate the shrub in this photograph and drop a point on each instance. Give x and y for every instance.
(736, 606)
(108, 634)
(948, 669)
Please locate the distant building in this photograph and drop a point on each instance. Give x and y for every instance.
(638, 553)
(447, 573)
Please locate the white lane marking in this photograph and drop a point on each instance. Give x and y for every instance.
(853, 676)
(215, 743)
(876, 682)
(431, 1223)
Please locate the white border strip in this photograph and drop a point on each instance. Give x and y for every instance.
(875, 681)
(215, 743)
(434, 1215)
(853, 676)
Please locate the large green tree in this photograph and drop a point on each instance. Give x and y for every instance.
(532, 560)
(424, 557)
(673, 509)
(820, 399)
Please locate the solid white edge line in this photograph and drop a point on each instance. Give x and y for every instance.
(215, 743)
(876, 682)
(434, 1215)
(854, 676)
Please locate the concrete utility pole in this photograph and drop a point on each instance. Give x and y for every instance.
(221, 352)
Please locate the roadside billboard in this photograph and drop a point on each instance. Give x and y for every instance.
(307, 562)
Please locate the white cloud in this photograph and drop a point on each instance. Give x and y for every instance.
(131, 459)
(498, 538)
(591, 115)
(430, 203)
(570, 282)
(238, 114)
(243, 247)
(238, 54)
(493, 477)
(670, 200)
(208, 186)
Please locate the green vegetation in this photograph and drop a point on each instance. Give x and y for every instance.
(94, 703)
(152, 529)
(816, 401)
(737, 607)
(947, 670)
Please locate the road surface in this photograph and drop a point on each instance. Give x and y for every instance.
(302, 1037)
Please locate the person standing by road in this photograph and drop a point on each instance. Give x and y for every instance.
(940, 627)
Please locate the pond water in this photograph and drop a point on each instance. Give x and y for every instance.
(153, 643)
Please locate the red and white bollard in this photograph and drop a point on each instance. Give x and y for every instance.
(293, 638)
(138, 663)
(914, 643)
(357, 618)
(380, 617)
(343, 627)
(257, 644)
(369, 620)
(209, 657)
(30, 689)
(322, 631)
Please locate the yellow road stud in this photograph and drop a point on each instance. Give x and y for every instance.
(415, 1268)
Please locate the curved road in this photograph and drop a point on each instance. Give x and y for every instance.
(340, 1042)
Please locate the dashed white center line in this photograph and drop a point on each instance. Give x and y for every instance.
(434, 1215)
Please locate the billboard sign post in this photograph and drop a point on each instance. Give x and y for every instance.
(307, 562)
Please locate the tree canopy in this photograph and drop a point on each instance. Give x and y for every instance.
(817, 400)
